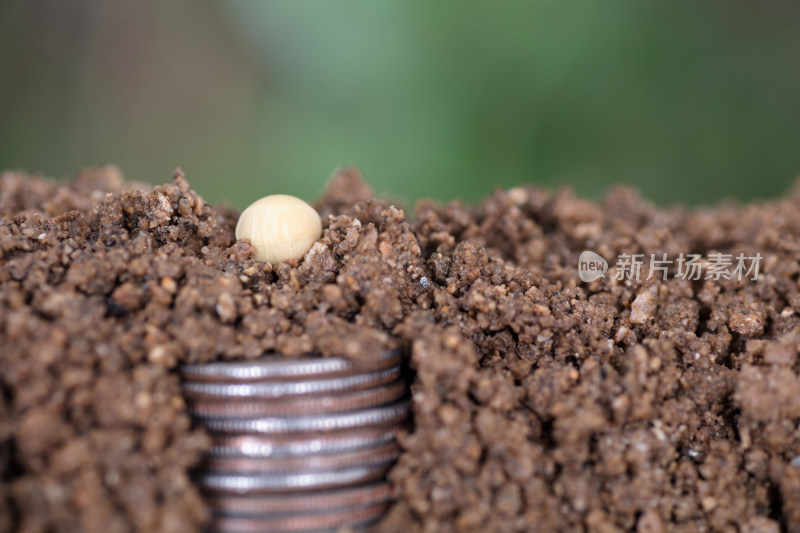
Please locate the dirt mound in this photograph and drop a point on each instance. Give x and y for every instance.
(540, 402)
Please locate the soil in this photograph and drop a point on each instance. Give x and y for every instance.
(541, 403)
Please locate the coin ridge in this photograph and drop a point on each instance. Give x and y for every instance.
(233, 391)
(279, 368)
(289, 483)
(302, 522)
(300, 502)
(309, 463)
(250, 445)
(387, 414)
(301, 405)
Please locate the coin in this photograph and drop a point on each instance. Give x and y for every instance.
(301, 445)
(298, 444)
(327, 521)
(389, 414)
(248, 391)
(309, 463)
(302, 405)
(292, 482)
(300, 502)
(277, 368)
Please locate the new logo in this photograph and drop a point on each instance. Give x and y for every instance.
(591, 266)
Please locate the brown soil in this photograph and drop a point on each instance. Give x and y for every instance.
(540, 402)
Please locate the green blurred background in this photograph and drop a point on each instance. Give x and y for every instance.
(691, 102)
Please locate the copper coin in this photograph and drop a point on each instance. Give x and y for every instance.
(302, 405)
(311, 463)
(301, 445)
(389, 414)
(331, 520)
(299, 503)
(251, 391)
(294, 482)
(274, 367)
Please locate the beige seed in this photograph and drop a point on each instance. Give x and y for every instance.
(279, 227)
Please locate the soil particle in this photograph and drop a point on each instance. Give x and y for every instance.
(644, 305)
(541, 403)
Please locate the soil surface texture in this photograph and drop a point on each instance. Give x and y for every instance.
(541, 403)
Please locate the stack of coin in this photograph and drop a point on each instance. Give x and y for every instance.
(298, 444)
